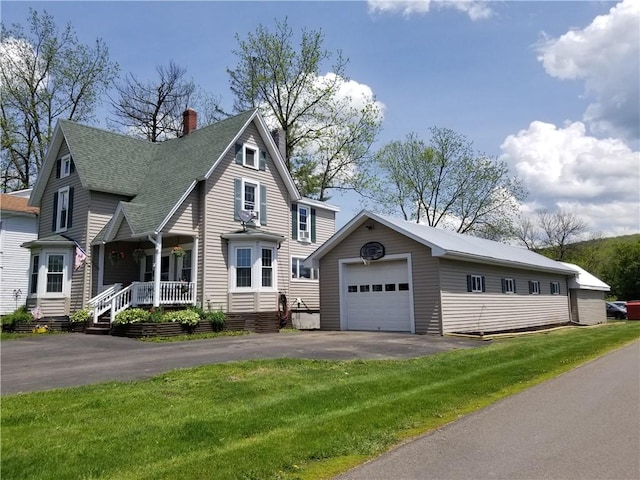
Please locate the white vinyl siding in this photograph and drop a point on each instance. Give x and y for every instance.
(15, 260)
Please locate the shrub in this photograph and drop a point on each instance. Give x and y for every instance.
(132, 315)
(156, 315)
(20, 315)
(183, 317)
(217, 319)
(80, 316)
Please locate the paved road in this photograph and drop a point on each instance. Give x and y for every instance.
(51, 361)
(582, 425)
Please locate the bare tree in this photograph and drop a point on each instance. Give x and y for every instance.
(446, 184)
(327, 134)
(527, 231)
(559, 230)
(45, 74)
(153, 109)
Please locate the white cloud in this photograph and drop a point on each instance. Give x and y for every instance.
(598, 179)
(606, 55)
(477, 10)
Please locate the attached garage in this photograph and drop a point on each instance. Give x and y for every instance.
(377, 296)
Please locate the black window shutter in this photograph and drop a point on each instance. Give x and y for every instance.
(504, 285)
(530, 287)
(237, 195)
(263, 205)
(58, 167)
(263, 160)
(515, 290)
(70, 209)
(72, 166)
(54, 225)
(551, 287)
(469, 285)
(484, 288)
(294, 221)
(239, 153)
(313, 225)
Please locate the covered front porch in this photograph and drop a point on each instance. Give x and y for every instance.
(149, 272)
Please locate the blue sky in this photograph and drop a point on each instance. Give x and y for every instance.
(545, 86)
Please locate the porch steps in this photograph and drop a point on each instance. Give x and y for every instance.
(101, 327)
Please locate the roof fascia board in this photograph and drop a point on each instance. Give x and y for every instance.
(505, 263)
(47, 167)
(318, 204)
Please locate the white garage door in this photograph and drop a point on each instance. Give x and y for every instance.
(377, 296)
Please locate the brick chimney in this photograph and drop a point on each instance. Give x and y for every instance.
(189, 121)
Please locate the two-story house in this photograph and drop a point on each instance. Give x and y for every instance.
(212, 218)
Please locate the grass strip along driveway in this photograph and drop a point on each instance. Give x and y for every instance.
(274, 419)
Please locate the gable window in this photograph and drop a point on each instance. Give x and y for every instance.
(303, 223)
(62, 208)
(508, 285)
(555, 288)
(534, 287)
(300, 272)
(35, 265)
(64, 166)
(251, 156)
(475, 283)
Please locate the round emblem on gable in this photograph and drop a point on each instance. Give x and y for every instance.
(372, 251)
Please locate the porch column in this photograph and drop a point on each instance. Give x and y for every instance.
(100, 269)
(157, 242)
(194, 269)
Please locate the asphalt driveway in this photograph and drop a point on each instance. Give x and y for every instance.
(44, 362)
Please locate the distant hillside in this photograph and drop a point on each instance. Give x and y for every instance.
(615, 260)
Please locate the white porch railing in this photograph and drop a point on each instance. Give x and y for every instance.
(116, 299)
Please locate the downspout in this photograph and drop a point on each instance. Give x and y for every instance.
(157, 243)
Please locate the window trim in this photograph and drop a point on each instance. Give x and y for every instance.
(256, 156)
(297, 261)
(534, 287)
(306, 238)
(256, 200)
(43, 271)
(509, 285)
(472, 279)
(256, 267)
(555, 288)
(62, 193)
(64, 162)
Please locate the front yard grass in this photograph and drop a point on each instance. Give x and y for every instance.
(274, 419)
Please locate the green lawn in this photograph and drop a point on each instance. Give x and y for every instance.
(274, 419)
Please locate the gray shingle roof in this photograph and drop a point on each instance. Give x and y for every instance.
(155, 175)
(446, 244)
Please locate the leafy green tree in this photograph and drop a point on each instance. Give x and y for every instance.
(45, 74)
(445, 184)
(622, 271)
(327, 132)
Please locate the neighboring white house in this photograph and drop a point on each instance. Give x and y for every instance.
(18, 224)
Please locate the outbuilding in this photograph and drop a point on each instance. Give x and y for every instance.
(379, 273)
(586, 295)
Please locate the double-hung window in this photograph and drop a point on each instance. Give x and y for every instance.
(55, 273)
(65, 166)
(555, 288)
(267, 267)
(185, 271)
(303, 224)
(508, 285)
(243, 267)
(62, 210)
(475, 283)
(534, 287)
